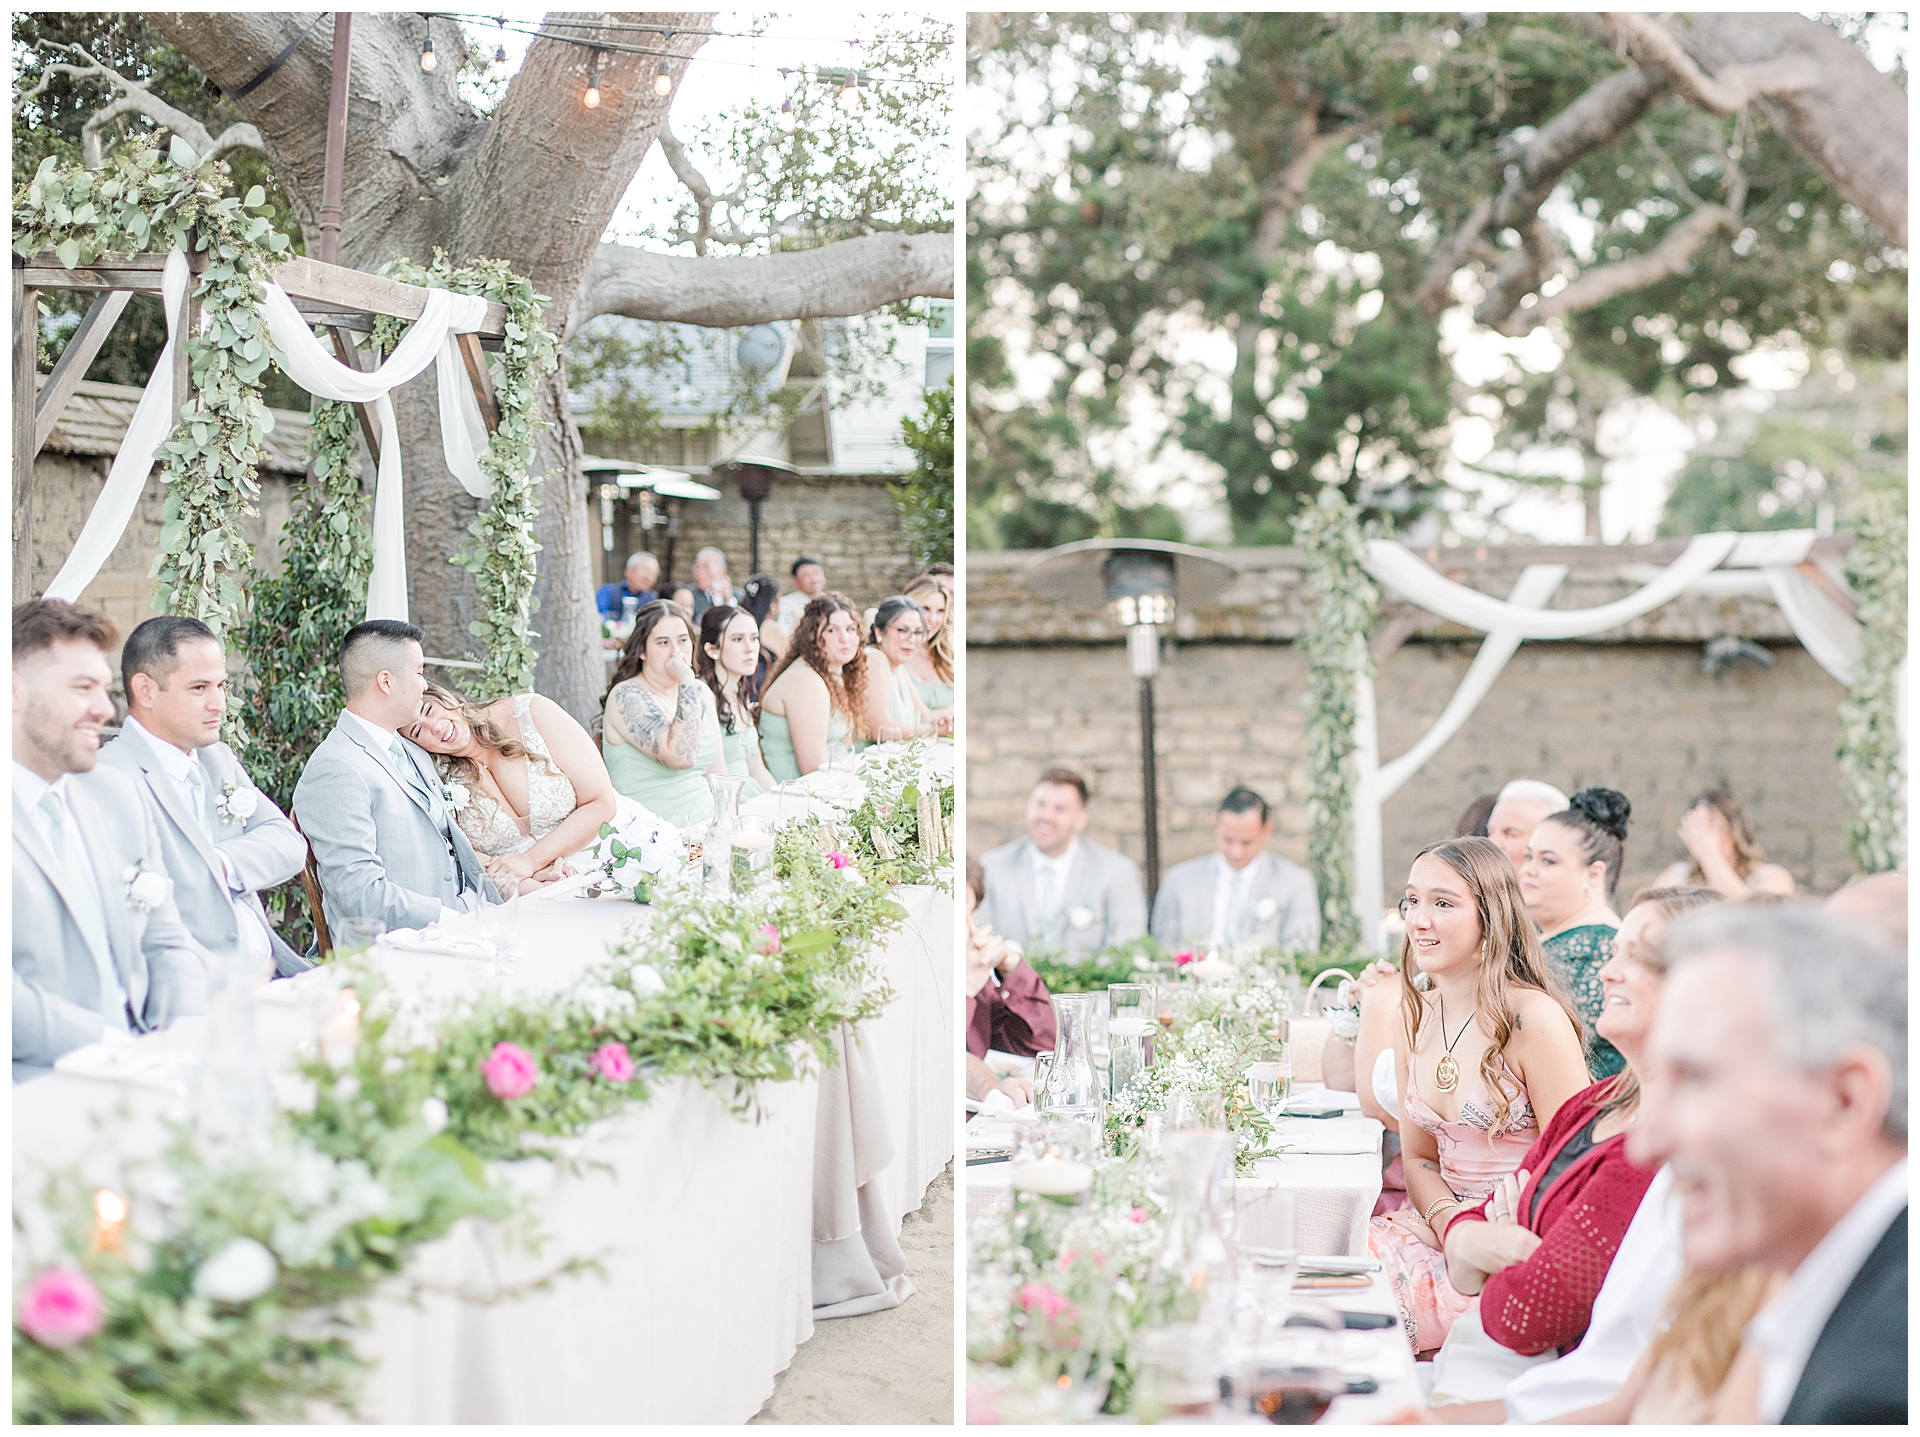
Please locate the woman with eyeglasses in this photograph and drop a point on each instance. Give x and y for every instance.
(894, 707)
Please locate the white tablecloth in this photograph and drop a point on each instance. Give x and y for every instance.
(704, 1225)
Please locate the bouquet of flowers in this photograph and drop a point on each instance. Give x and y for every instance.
(634, 856)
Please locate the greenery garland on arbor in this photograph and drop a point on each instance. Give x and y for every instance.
(1869, 748)
(1330, 534)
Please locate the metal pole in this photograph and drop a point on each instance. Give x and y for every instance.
(1149, 789)
(333, 186)
(753, 530)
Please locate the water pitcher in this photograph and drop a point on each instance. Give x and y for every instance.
(1192, 1278)
(1073, 1086)
(717, 855)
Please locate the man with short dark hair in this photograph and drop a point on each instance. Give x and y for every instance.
(1777, 1094)
(225, 840)
(99, 951)
(1056, 891)
(1239, 893)
(809, 580)
(371, 803)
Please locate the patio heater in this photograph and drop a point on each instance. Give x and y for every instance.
(754, 476)
(1141, 582)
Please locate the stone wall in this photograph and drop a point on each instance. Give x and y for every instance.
(1633, 712)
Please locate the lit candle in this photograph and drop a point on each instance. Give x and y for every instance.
(339, 1033)
(751, 838)
(109, 1221)
(1050, 1177)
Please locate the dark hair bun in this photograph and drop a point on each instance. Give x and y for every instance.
(1609, 810)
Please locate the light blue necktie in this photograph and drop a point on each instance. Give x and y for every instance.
(197, 787)
(87, 915)
(411, 775)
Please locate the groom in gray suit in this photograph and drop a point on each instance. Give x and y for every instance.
(224, 839)
(1056, 891)
(1239, 893)
(99, 952)
(371, 804)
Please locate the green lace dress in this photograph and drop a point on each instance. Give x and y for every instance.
(1576, 956)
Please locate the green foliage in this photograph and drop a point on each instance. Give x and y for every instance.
(924, 498)
(1869, 749)
(501, 556)
(902, 829)
(1330, 533)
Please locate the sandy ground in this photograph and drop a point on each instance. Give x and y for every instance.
(894, 1366)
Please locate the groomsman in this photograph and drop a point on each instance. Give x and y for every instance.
(225, 840)
(1055, 891)
(99, 952)
(1239, 893)
(370, 803)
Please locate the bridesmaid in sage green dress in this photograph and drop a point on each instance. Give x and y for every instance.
(894, 709)
(728, 659)
(815, 698)
(932, 664)
(1568, 882)
(661, 736)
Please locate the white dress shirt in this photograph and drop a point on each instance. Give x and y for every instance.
(30, 788)
(178, 764)
(1225, 875)
(1626, 1313)
(1786, 1329)
(383, 740)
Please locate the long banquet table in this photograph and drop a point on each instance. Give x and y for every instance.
(705, 1225)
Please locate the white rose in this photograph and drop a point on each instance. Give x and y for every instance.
(1080, 917)
(433, 1112)
(149, 890)
(242, 804)
(239, 1272)
(853, 875)
(1265, 909)
(646, 980)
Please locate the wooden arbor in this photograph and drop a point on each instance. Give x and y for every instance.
(327, 294)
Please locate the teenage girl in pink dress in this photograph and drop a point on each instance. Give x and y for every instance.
(1496, 1049)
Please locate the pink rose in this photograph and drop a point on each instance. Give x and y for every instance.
(612, 1063)
(1138, 1214)
(839, 859)
(1183, 957)
(1038, 1297)
(769, 938)
(60, 1307)
(510, 1072)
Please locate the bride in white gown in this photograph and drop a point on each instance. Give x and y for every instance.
(524, 780)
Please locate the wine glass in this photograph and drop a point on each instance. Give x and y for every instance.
(1196, 1110)
(1269, 1085)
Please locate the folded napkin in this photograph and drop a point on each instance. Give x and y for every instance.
(434, 939)
(1323, 1144)
(1321, 1100)
(141, 1064)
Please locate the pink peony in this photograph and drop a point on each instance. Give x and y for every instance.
(769, 938)
(510, 1072)
(1183, 957)
(1038, 1297)
(612, 1063)
(60, 1307)
(839, 859)
(1138, 1214)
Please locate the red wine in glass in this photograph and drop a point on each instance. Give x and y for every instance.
(1295, 1398)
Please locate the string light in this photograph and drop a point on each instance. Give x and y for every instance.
(500, 52)
(850, 99)
(786, 119)
(662, 80)
(427, 61)
(592, 100)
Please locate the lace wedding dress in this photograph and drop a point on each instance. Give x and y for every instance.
(491, 826)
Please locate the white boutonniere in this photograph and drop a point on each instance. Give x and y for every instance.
(1080, 917)
(147, 889)
(1265, 909)
(236, 804)
(457, 795)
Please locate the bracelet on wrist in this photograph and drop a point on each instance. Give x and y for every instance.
(1436, 1205)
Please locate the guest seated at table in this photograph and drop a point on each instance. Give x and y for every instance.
(1239, 893)
(758, 597)
(1008, 1010)
(1493, 1054)
(1519, 809)
(815, 701)
(529, 788)
(1719, 838)
(99, 952)
(1568, 881)
(809, 582)
(681, 594)
(932, 663)
(1539, 1248)
(729, 653)
(894, 707)
(662, 735)
(639, 583)
(1056, 891)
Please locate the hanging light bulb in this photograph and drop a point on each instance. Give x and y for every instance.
(786, 119)
(850, 99)
(500, 52)
(427, 61)
(662, 80)
(592, 100)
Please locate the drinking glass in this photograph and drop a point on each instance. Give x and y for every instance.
(1293, 1377)
(1042, 1067)
(500, 922)
(1269, 1085)
(1130, 1030)
(354, 935)
(1186, 1111)
(752, 852)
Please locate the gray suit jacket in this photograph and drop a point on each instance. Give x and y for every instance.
(381, 850)
(1283, 910)
(265, 850)
(1103, 903)
(56, 987)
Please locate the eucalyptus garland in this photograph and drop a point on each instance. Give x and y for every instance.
(501, 556)
(1869, 748)
(1330, 533)
(144, 202)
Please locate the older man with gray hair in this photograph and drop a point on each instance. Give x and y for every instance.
(1777, 1094)
(711, 585)
(1518, 810)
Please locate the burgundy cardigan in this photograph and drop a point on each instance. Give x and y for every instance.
(1545, 1303)
(1011, 1015)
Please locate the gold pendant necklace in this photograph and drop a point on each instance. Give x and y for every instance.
(1446, 1073)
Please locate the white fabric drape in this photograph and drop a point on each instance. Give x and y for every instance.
(152, 421)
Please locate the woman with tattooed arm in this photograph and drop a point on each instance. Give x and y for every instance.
(661, 737)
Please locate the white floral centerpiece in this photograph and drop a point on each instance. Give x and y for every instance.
(635, 856)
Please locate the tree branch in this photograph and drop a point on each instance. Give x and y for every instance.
(1287, 190)
(1668, 258)
(137, 99)
(1652, 46)
(854, 276)
(1433, 294)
